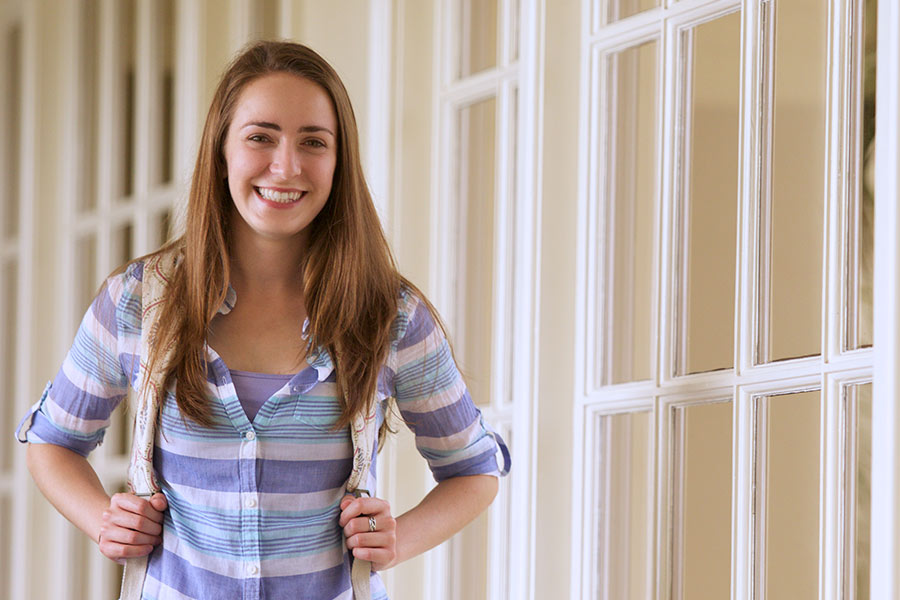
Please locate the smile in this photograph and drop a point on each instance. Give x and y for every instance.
(279, 197)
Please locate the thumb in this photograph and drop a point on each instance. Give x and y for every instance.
(158, 502)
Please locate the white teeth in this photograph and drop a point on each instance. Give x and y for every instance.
(283, 197)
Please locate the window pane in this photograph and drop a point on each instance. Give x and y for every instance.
(88, 166)
(9, 197)
(619, 9)
(866, 217)
(631, 194)
(703, 501)
(85, 274)
(9, 281)
(163, 227)
(166, 41)
(798, 176)
(267, 11)
(470, 556)
(858, 490)
(709, 178)
(127, 92)
(476, 244)
(625, 505)
(122, 245)
(478, 36)
(791, 496)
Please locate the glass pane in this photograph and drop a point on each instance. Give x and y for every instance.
(163, 227)
(858, 490)
(478, 36)
(470, 555)
(127, 83)
(476, 244)
(9, 198)
(619, 9)
(705, 325)
(85, 274)
(9, 275)
(791, 493)
(625, 505)
(631, 194)
(866, 223)
(798, 176)
(166, 42)
(90, 63)
(122, 245)
(703, 501)
(508, 279)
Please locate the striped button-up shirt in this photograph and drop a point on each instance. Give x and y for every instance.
(253, 506)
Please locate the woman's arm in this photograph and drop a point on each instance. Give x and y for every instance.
(123, 526)
(450, 506)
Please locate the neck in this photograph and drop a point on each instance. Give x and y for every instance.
(264, 264)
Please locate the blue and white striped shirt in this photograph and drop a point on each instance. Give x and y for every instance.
(253, 506)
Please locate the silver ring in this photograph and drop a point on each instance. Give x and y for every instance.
(371, 524)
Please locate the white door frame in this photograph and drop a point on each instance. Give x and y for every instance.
(885, 551)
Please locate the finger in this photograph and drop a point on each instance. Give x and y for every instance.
(136, 505)
(376, 539)
(364, 506)
(159, 502)
(377, 556)
(363, 525)
(128, 537)
(114, 550)
(132, 521)
(346, 500)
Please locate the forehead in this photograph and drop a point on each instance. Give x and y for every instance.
(285, 99)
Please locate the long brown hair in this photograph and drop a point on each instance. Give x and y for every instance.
(350, 281)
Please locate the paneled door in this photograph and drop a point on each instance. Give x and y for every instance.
(724, 419)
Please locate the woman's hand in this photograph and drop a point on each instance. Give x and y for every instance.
(378, 546)
(132, 526)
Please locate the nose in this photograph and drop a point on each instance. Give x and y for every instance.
(286, 162)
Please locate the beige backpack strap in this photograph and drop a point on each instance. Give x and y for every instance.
(363, 433)
(144, 405)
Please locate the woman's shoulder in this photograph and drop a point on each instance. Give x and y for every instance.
(415, 314)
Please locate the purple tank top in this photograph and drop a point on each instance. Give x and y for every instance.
(253, 389)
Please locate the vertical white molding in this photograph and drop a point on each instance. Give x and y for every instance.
(190, 65)
(378, 110)
(286, 12)
(242, 22)
(583, 550)
(23, 389)
(885, 552)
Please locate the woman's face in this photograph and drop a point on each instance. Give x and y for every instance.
(280, 152)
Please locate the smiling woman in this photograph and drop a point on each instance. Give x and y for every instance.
(281, 153)
(257, 420)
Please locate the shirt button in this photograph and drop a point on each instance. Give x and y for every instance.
(252, 569)
(250, 436)
(251, 502)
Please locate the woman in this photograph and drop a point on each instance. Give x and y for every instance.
(284, 317)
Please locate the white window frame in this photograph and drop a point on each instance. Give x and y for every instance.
(885, 552)
(516, 248)
(832, 371)
(17, 487)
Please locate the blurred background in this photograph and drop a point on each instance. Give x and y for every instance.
(647, 223)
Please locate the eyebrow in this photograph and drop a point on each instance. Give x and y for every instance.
(276, 127)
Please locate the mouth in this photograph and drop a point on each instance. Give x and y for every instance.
(279, 196)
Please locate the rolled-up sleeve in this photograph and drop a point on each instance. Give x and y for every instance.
(74, 410)
(450, 432)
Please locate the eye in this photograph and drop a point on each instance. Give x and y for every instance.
(257, 137)
(314, 143)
